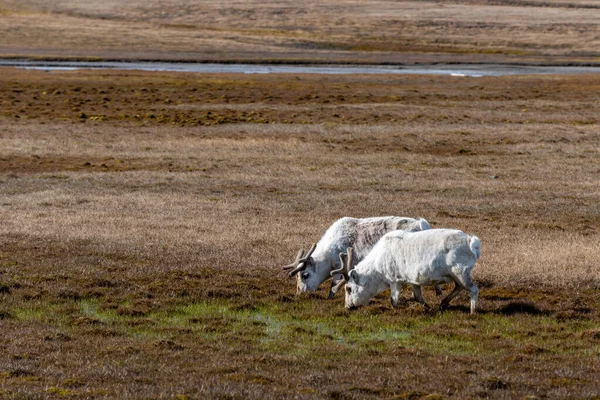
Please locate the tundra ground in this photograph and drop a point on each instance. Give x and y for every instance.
(144, 218)
(346, 31)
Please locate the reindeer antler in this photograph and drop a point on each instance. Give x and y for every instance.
(344, 270)
(301, 262)
(295, 263)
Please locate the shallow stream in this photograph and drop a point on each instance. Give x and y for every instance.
(471, 70)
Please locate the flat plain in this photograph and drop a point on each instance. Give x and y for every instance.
(315, 31)
(145, 216)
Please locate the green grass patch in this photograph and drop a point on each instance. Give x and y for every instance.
(286, 330)
(305, 327)
(294, 329)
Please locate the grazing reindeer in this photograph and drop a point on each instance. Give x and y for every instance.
(314, 267)
(419, 258)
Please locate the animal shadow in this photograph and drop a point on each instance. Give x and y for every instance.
(519, 307)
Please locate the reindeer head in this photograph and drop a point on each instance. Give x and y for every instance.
(355, 294)
(303, 267)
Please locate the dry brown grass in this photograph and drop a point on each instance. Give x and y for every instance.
(139, 256)
(319, 31)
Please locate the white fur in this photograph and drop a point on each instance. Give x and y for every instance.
(421, 258)
(359, 233)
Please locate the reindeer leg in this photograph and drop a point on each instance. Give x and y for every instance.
(446, 301)
(418, 295)
(396, 291)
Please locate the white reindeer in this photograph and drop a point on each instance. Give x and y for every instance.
(314, 267)
(422, 258)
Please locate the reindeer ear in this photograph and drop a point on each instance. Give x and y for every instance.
(354, 275)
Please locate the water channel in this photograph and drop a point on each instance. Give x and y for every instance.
(470, 70)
